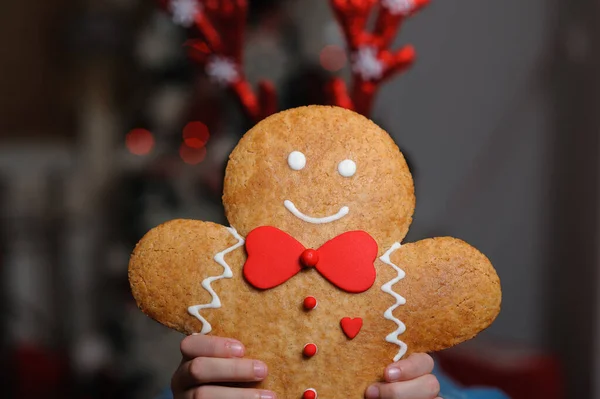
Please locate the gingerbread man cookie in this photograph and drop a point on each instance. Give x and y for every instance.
(312, 276)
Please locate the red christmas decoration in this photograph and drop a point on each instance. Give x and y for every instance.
(139, 141)
(372, 60)
(217, 29)
(195, 135)
(220, 25)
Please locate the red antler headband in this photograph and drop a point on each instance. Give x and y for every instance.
(372, 61)
(221, 23)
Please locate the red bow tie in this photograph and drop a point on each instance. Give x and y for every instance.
(347, 261)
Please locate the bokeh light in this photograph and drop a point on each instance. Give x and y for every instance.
(191, 155)
(333, 58)
(139, 141)
(195, 135)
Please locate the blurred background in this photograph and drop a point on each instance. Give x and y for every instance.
(98, 101)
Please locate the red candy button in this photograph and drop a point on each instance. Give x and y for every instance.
(351, 327)
(310, 393)
(310, 350)
(310, 302)
(309, 258)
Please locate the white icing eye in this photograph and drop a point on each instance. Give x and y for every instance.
(347, 168)
(297, 160)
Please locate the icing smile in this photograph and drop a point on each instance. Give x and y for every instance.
(289, 205)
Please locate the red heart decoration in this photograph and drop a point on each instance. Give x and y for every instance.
(351, 327)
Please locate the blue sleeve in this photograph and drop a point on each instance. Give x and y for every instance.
(166, 394)
(451, 390)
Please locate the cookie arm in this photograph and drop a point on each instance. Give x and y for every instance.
(175, 269)
(452, 293)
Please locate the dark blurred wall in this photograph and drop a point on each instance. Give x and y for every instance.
(574, 218)
(34, 68)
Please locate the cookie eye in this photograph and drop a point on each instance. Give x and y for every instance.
(297, 160)
(347, 168)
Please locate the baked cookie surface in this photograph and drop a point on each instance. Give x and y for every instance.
(319, 200)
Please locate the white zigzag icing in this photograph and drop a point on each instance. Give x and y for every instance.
(387, 288)
(206, 284)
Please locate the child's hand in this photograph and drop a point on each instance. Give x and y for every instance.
(207, 361)
(407, 379)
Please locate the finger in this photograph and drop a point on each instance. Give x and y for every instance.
(202, 370)
(424, 387)
(208, 346)
(215, 392)
(414, 366)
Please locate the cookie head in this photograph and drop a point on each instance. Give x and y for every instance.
(316, 172)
